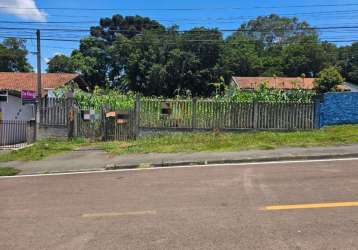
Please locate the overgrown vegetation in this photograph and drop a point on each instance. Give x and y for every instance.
(104, 98)
(114, 99)
(8, 171)
(42, 149)
(197, 142)
(265, 94)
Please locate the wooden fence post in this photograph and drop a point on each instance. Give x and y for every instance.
(137, 115)
(30, 131)
(104, 123)
(255, 115)
(70, 115)
(317, 111)
(193, 119)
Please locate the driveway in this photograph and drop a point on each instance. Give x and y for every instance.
(218, 207)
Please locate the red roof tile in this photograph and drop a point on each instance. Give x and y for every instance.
(28, 81)
(275, 82)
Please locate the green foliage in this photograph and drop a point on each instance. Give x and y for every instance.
(13, 55)
(328, 79)
(104, 98)
(114, 99)
(348, 62)
(274, 29)
(138, 54)
(265, 94)
(60, 63)
(8, 171)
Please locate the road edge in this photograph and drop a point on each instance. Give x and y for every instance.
(229, 161)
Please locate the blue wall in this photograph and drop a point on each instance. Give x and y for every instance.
(338, 108)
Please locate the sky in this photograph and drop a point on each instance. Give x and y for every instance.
(224, 14)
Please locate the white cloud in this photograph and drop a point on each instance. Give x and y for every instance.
(25, 9)
(58, 54)
(47, 59)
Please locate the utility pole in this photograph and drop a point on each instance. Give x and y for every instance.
(39, 87)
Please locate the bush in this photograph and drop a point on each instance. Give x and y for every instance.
(328, 79)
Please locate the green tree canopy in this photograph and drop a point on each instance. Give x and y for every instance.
(13, 56)
(60, 63)
(139, 54)
(348, 61)
(273, 29)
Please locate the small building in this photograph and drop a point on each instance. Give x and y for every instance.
(12, 107)
(283, 83)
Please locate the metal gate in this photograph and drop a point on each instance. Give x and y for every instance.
(121, 125)
(13, 134)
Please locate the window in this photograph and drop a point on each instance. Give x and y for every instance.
(3, 96)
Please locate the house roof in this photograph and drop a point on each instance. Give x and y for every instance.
(28, 81)
(275, 82)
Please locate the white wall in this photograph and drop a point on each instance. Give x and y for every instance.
(13, 110)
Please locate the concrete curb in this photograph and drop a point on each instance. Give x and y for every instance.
(230, 161)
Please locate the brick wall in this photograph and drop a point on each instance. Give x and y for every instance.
(339, 108)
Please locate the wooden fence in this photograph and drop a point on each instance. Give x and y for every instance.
(209, 114)
(13, 133)
(53, 112)
(192, 114)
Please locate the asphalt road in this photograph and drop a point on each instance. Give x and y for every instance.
(231, 207)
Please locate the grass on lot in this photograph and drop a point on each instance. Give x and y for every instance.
(199, 142)
(8, 171)
(195, 142)
(42, 149)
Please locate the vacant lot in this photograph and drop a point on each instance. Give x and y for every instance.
(198, 142)
(195, 142)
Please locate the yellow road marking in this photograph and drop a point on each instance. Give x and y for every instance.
(307, 206)
(101, 215)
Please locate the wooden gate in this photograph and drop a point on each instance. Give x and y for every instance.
(103, 125)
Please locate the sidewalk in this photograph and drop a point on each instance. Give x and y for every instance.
(95, 159)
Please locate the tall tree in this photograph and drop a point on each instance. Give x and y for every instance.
(241, 56)
(273, 29)
(13, 56)
(273, 45)
(348, 61)
(60, 63)
(96, 47)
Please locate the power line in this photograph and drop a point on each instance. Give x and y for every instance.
(199, 30)
(190, 19)
(186, 40)
(183, 9)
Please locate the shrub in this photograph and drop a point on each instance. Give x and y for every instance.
(328, 79)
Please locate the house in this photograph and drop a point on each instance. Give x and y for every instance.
(283, 83)
(12, 107)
